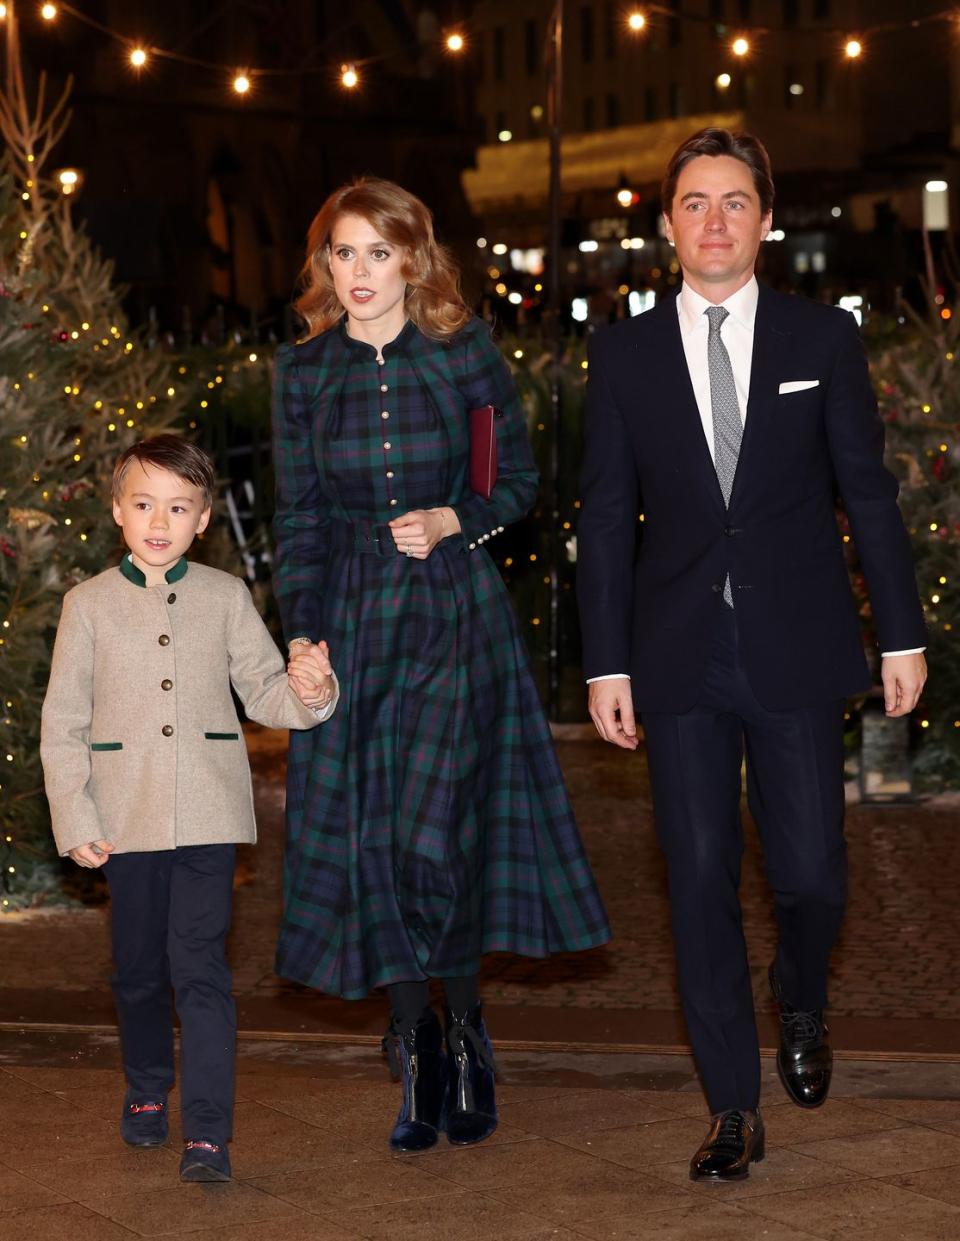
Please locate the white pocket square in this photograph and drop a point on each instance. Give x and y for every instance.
(798, 385)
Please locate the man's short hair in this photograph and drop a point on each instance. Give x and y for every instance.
(744, 147)
(173, 453)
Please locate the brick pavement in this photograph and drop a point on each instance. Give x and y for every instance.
(896, 958)
(589, 1147)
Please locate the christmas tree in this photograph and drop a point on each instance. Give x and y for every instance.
(76, 387)
(917, 378)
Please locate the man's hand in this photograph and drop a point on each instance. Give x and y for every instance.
(92, 855)
(903, 679)
(611, 709)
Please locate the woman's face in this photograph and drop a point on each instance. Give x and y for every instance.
(366, 272)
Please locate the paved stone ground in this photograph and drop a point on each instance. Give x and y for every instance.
(593, 1147)
(897, 956)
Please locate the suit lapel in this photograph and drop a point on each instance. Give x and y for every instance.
(771, 344)
(669, 366)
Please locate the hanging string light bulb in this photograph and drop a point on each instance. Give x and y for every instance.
(48, 12)
(349, 77)
(852, 49)
(455, 42)
(138, 57)
(241, 84)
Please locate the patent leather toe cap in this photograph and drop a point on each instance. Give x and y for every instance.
(413, 1136)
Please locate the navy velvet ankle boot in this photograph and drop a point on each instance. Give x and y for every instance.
(471, 1094)
(416, 1055)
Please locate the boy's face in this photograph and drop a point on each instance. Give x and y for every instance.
(160, 515)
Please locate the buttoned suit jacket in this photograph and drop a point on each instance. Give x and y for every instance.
(140, 740)
(649, 590)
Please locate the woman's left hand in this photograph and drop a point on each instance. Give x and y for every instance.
(418, 532)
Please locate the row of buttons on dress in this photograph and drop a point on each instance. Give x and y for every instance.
(166, 683)
(484, 537)
(385, 415)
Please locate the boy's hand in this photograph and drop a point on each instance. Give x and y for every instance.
(93, 854)
(310, 674)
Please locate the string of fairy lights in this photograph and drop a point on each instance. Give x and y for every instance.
(742, 42)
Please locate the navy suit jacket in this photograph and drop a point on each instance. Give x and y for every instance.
(650, 590)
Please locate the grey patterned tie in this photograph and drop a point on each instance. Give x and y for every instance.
(727, 425)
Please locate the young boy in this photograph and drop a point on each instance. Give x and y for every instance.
(146, 771)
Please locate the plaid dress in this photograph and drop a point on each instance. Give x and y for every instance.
(427, 821)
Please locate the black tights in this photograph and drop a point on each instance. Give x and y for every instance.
(410, 1000)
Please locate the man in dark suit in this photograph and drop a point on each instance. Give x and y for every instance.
(727, 420)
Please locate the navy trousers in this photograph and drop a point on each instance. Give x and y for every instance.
(170, 914)
(795, 794)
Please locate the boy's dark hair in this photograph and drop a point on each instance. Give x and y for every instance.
(744, 147)
(173, 453)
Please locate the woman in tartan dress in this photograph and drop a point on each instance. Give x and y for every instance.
(428, 823)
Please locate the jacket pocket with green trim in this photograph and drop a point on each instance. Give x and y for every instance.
(222, 736)
(106, 745)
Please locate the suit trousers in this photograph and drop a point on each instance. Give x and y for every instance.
(795, 793)
(170, 914)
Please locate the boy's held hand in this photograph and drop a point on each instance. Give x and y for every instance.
(92, 855)
(310, 674)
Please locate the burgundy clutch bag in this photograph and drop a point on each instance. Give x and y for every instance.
(483, 449)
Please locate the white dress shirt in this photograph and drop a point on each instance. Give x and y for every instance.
(736, 332)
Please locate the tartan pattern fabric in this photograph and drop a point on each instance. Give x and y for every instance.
(727, 423)
(427, 820)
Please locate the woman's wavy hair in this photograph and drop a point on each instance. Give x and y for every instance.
(433, 300)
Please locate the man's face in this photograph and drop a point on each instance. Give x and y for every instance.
(716, 223)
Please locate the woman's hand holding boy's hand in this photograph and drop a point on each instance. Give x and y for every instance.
(92, 855)
(418, 532)
(310, 674)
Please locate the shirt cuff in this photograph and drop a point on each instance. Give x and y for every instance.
(609, 676)
(915, 650)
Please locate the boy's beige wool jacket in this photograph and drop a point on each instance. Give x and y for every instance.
(140, 740)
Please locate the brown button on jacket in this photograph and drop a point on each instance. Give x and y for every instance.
(140, 739)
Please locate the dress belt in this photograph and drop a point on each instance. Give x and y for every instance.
(372, 538)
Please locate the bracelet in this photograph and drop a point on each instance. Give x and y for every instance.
(299, 642)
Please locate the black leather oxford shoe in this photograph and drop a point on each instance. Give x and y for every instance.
(804, 1058)
(734, 1142)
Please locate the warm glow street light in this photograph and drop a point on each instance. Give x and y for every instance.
(138, 58)
(722, 81)
(740, 46)
(48, 12)
(241, 83)
(636, 21)
(69, 180)
(349, 77)
(853, 49)
(455, 43)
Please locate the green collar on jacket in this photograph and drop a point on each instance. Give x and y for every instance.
(135, 575)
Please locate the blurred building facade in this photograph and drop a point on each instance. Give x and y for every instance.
(854, 141)
(203, 196)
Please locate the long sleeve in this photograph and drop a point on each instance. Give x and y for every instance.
(606, 530)
(486, 380)
(869, 493)
(300, 517)
(65, 733)
(259, 674)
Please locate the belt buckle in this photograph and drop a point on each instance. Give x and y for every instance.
(369, 540)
